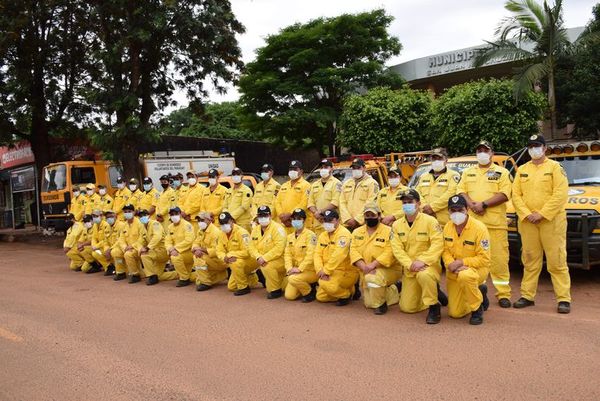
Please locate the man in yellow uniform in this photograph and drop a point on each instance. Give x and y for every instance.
(336, 274)
(93, 199)
(324, 195)
(152, 251)
(122, 197)
(267, 245)
(388, 199)
(356, 192)
(132, 237)
(232, 249)
(214, 196)
(486, 188)
(238, 200)
(540, 195)
(151, 196)
(179, 240)
(136, 193)
(78, 247)
(266, 190)
(116, 251)
(417, 243)
(467, 259)
(209, 269)
(299, 260)
(292, 195)
(166, 200)
(437, 186)
(180, 189)
(371, 253)
(99, 242)
(193, 200)
(112, 230)
(77, 207)
(106, 201)
(70, 243)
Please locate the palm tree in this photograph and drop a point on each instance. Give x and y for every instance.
(535, 36)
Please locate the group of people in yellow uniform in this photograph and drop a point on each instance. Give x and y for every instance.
(332, 241)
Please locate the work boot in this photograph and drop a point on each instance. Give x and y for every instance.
(110, 270)
(434, 316)
(504, 303)
(182, 283)
(477, 316)
(486, 301)
(94, 269)
(134, 279)
(343, 301)
(203, 287)
(274, 294)
(311, 296)
(523, 303)
(120, 276)
(261, 278)
(243, 291)
(442, 297)
(381, 309)
(564, 307)
(152, 280)
(357, 293)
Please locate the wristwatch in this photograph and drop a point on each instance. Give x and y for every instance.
(484, 205)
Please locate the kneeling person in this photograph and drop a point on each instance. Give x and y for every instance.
(179, 240)
(299, 260)
(152, 250)
(209, 269)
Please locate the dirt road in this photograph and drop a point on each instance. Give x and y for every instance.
(69, 336)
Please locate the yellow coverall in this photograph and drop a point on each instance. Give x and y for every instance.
(70, 242)
(300, 253)
(481, 184)
(100, 242)
(435, 192)
(93, 203)
(422, 241)
(182, 193)
(270, 245)
(238, 202)
(264, 195)
(155, 259)
(166, 201)
(243, 270)
(133, 234)
(150, 199)
(111, 236)
(378, 285)
(181, 237)
(122, 198)
(473, 247)
(292, 197)
(213, 201)
(77, 207)
(136, 198)
(543, 188)
(389, 202)
(332, 257)
(106, 203)
(209, 269)
(193, 200)
(82, 258)
(354, 196)
(321, 195)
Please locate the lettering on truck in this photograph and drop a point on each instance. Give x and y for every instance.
(583, 201)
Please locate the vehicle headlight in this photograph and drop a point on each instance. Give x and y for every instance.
(511, 220)
(43, 212)
(64, 211)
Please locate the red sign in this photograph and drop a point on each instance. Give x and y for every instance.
(16, 155)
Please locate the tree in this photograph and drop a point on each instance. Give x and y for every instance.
(469, 112)
(533, 26)
(385, 120)
(147, 50)
(295, 88)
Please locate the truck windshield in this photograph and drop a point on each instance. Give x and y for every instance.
(54, 178)
(583, 170)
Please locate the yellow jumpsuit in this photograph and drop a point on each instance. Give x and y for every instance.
(112, 235)
(209, 269)
(181, 237)
(77, 207)
(300, 253)
(133, 234)
(270, 245)
(292, 197)
(543, 188)
(332, 257)
(264, 195)
(378, 285)
(321, 195)
(106, 203)
(473, 247)
(81, 259)
(354, 195)
(389, 202)
(481, 184)
(213, 202)
(243, 270)
(166, 201)
(422, 241)
(100, 242)
(435, 192)
(182, 192)
(155, 259)
(193, 200)
(136, 198)
(71, 239)
(238, 202)
(149, 199)
(122, 198)
(93, 203)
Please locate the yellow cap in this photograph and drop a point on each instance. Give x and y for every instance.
(371, 207)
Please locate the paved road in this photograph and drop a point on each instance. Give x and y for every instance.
(70, 336)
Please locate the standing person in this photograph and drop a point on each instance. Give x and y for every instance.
(486, 188)
(77, 206)
(356, 192)
(151, 196)
(266, 191)
(122, 198)
(299, 260)
(437, 186)
(324, 195)
(93, 199)
(540, 195)
(106, 201)
(179, 240)
(136, 193)
(267, 245)
(467, 259)
(132, 236)
(209, 269)
(336, 274)
(152, 251)
(292, 195)
(214, 196)
(180, 189)
(238, 200)
(166, 201)
(388, 199)
(193, 199)
(417, 243)
(371, 252)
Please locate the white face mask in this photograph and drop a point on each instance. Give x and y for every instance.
(97, 220)
(236, 179)
(394, 182)
(75, 194)
(175, 218)
(120, 185)
(324, 172)
(192, 181)
(293, 174)
(132, 187)
(329, 227)
(458, 218)
(536, 152)
(264, 221)
(102, 191)
(483, 158)
(89, 192)
(202, 225)
(212, 182)
(265, 176)
(226, 228)
(356, 174)
(88, 224)
(438, 165)
(128, 215)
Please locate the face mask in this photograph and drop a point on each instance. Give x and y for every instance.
(356, 174)
(110, 220)
(236, 179)
(483, 158)
(102, 191)
(324, 172)
(97, 220)
(69, 223)
(264, 221)
(297, 224)
(75, 194)
(120, 185)
(293, 174)
(372, 222)
(128, 215)
(226, 228)
(265, 176)
(202, 225)
(192, 181)
(536, 152)
(458, 218)
(176, 183)
(212, 182)
(88, 224)
(394, 182)
(164, 186)
(329, 227)
(438, 165)
(89, 192)
(132, 188)
(409, 208)
(175, 218)
(147, 187)
(145, 219)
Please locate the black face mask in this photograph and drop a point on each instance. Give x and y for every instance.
(372, 222)
(68, 223)
(165, 186)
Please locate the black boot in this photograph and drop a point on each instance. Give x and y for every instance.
(398, 285)
(343, 301)
(110, 270)
(203, 287)
(434, 316)
(442, 297)
(243, 291)
(275, 294)
(312, 295)
(120, 276)
(134, 279)
(152, 280)
(523, 303)
(381, 309)
(96, 267)
(182, 283)
(564, 307)
(261, 278)
(357, 293)
(477, 316)
(486, 301)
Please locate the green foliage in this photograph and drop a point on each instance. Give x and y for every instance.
(385, 120)
(294, 89)
(478, 110)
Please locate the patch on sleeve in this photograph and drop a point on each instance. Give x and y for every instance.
(188, 227)
(342, 242)
(313, 240)
(456, 178)
(438, 228)
(246, 239)
(281, 231)
(485, 244)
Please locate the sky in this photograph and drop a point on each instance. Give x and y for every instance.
(424, 27)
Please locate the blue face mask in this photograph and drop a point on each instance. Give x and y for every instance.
(297, 224)
(176, 183)
(409, 208)
(110, 220)
(145, 219)
(147, 187)
(128, 215)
